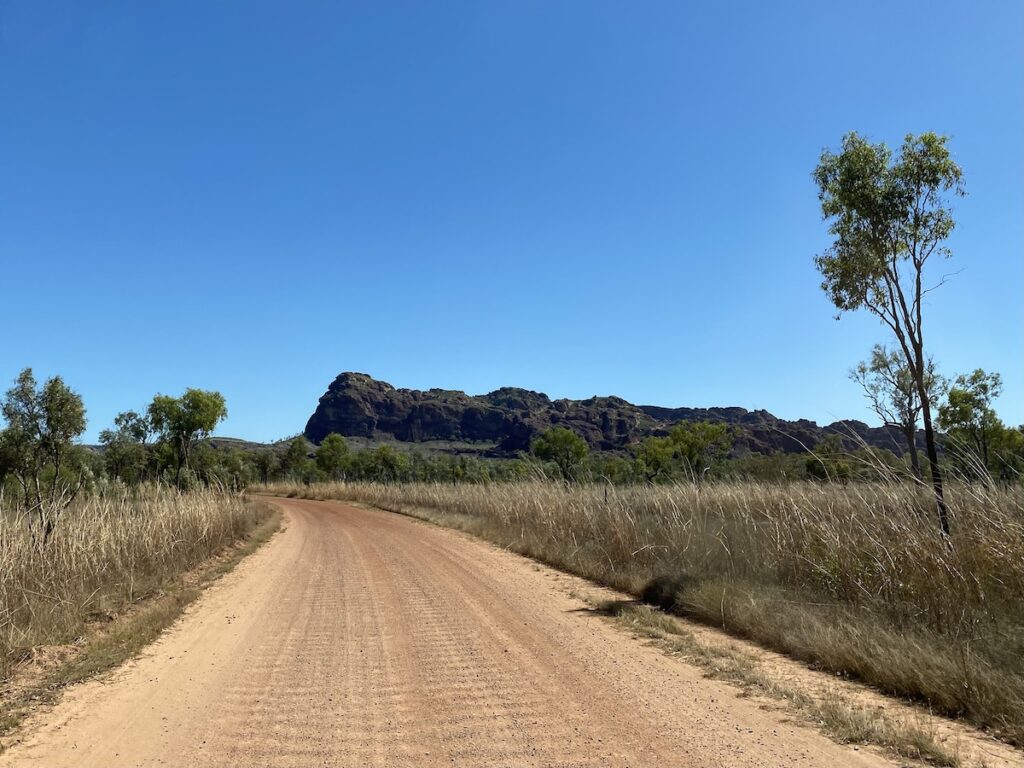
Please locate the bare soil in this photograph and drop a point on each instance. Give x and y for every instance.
(359, 637)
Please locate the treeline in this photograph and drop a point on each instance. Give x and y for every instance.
(690, 453)
(43, 470)
(88, 537)
(977, 447)
(335, 460)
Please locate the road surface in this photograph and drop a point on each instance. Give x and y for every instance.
(364, 638)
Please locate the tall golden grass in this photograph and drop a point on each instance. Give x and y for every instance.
(106, 554)
(855, 579)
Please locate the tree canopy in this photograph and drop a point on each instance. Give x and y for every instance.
(563, 447)
(124, 446)
(970, 422)
(889, 216)
(36, 447)
(332, 456)
(183, 421)
(891, 389)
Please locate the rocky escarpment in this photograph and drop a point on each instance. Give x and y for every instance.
(506, 420)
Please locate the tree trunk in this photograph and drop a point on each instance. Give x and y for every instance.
(910, 433)
(183, 446)
(918, 371)
(933, 460)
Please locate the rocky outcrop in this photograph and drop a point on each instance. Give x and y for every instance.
(506, 420)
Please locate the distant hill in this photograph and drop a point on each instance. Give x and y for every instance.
(503, 422)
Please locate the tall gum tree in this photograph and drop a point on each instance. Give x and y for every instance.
(890, 217)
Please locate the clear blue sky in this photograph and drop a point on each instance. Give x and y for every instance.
(575, 197)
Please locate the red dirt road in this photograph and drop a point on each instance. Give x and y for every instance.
(358, 637)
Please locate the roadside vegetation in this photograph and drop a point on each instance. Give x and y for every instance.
(107, 554)
(847, 721)
(89, 537)
(851, 578)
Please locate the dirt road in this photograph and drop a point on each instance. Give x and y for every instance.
(360, 637)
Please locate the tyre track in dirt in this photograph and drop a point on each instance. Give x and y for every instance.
(363, 638)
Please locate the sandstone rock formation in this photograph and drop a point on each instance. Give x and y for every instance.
(504, 421)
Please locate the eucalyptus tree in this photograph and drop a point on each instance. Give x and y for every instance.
(969, 419)
(332, 456)
(182, 421)
(700, 446)
(37, 448)
(564, 448)
(125, 449)
(891, 390)
(890, 217)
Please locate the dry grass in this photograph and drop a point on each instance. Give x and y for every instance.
(107, 555)
(848, 722)
(854, 579)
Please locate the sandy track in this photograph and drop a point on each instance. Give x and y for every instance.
(358, 637)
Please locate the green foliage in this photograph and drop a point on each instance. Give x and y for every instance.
(334, 459)
(700, 446)
(332, 456)
(889, 216)
(293, 463)
(828, 461)
(182, 421)
(41, 422)
(36, 448)
(777, 467)
(976, 440)
(613, 469)
(1008, 452)
(391, 465)
(564, 448)
(832, 461)
(883, 212)
(182, 426)
(891, 389)
(266, 463)
(125, 451)
(133, 426)
(223, 468)
(691, 451)
(655, 459)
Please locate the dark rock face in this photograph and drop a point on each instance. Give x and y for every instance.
(357, 405)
